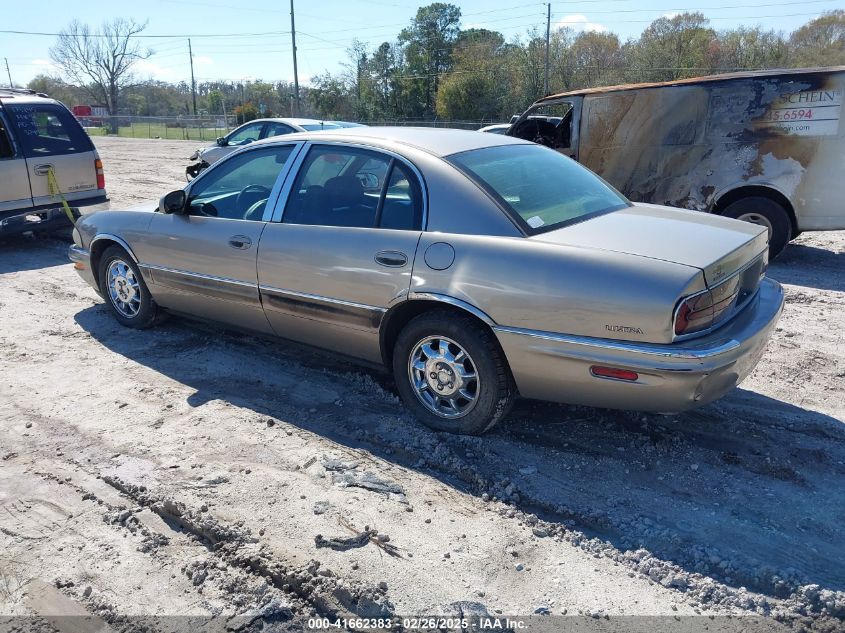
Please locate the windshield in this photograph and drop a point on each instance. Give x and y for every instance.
(542, 188)
(313, 127)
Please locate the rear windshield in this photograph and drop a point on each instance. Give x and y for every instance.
(314, 127)
(47, 130)
(541, 188)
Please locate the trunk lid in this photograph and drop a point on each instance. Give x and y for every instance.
(717, 246)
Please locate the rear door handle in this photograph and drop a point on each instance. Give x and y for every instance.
(41, 170)
(240, 241)
(394, 259)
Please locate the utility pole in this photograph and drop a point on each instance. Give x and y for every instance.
(295, 71)
(9, 72)
(193, 82)
(548, 33)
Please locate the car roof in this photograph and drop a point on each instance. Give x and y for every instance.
(18, 95)
(290, 120)
(697, 80)
(437, 141)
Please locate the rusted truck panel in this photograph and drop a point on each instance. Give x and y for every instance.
(711, 143)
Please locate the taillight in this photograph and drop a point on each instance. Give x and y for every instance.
(101, 178)
(705, 309)
(614, 372)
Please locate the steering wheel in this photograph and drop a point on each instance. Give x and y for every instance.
(245, 204)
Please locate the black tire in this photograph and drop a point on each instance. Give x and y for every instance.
(148, 313)
(776, 216)
(495, 391)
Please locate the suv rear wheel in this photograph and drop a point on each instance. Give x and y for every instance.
(452, 374)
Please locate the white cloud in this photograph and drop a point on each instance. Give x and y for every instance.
(146, 68)
(43, 65)
(203, 60)
(579, 22)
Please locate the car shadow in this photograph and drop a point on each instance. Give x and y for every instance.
(23, 252)
(749, 490)
(810, 266)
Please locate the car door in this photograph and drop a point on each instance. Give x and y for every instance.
(245, 134)
(51, 138)
(203, 262)
(15, 194)
(276, 128)
(339, 250)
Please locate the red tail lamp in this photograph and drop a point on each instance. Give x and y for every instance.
(613, 372)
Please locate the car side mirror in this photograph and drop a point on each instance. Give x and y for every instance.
(222, 142)
(175, 202)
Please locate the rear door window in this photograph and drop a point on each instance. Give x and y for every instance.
(48, 130)
(7, 150)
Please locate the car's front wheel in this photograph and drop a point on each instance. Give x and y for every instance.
(452, 374)
(124, 290)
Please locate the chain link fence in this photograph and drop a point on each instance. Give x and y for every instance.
(186, 128)
(210, 127)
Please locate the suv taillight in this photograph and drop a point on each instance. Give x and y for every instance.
(705, 309)
(101, 178)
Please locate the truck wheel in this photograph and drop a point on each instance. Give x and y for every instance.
(765, 212)
(452, 374)
(125, 291)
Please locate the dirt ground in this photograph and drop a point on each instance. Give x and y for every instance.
(190, 470)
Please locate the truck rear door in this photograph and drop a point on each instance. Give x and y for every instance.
(52, 138)
(15, 194)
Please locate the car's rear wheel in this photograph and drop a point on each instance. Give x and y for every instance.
(767, 213)
(452, 374)
(124, 290)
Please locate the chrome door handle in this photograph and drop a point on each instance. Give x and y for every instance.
(240, 241)
(41, 170)
(393, 259)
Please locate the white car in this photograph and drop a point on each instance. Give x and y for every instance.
(254, 131)
(496, 128)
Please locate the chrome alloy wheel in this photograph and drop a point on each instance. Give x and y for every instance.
(444, 377)
(757, 218)
(124, 290)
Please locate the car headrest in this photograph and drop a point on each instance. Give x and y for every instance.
(344, 191)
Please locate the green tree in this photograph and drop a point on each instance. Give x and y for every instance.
(474, 87)
(751, 48)
(820, 42)
(596, 59)
(428, 43)
(674, 48)
(246, 112)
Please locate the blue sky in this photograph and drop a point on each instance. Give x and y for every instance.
(325, 28)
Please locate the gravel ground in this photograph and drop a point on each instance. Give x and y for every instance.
(190, 470)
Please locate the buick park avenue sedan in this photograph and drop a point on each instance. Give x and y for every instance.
(475, 266)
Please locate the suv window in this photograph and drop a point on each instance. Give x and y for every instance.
(342, 186)
(238, 188)
(246, 134)
(46, 130)
(6, 149)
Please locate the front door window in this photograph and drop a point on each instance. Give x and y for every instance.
(246, 134)
(238, 188)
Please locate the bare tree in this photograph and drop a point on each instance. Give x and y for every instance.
(100, 61)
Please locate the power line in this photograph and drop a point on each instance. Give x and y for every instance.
(736, 6)
(172, 36)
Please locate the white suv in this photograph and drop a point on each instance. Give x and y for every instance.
(37, 135)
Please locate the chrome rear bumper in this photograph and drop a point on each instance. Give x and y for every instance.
(672, 378)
